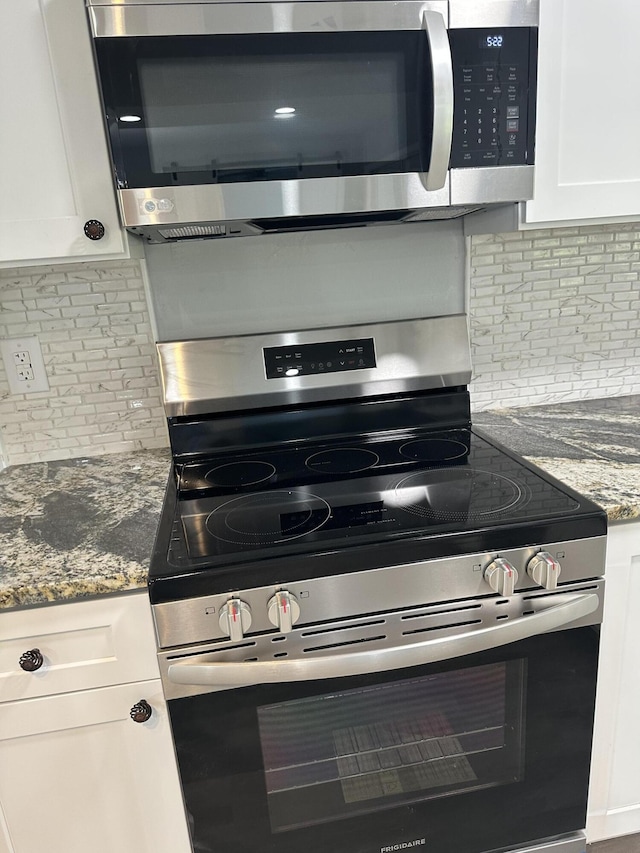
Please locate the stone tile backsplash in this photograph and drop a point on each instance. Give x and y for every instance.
(555, 316)
(94, 329)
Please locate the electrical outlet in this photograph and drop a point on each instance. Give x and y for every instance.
(24, 365)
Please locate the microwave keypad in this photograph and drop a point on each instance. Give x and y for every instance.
(491, 91)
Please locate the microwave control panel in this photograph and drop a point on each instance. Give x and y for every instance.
(494, 80)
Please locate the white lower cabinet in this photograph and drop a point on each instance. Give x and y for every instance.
(76, 772)
(614, 801)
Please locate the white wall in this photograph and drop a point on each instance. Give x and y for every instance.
(93, 325)
(555, 315)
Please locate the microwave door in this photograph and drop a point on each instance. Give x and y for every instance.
(300, 120)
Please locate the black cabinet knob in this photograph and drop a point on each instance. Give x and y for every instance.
(141, 711)
(31, 660)
(94, 229)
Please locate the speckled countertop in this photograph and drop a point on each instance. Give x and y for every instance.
(592, 445)
(84, 527)
(79, 527)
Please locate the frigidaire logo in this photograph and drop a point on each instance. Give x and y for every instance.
(405, 845)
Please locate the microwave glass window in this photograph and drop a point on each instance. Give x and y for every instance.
(358, 751)
(221, 109)
(293, 115)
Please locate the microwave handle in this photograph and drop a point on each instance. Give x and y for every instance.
(226, 674)
(442, 72)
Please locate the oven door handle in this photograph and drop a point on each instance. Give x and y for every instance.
(442, 75)
(226, 674)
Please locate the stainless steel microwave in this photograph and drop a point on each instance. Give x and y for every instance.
(232, 118)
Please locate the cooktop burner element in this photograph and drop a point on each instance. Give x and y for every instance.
(342, 460)
(247, 473)
(267, 518)
(458, 494)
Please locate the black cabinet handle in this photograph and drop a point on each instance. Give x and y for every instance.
(141, 711)
(31, 660)
(94, 229)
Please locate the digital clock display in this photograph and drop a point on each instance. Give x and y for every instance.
(491, 41)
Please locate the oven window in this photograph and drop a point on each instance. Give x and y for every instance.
(357, 751)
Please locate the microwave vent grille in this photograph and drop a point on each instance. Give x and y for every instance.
(216, 229)
(242, 228)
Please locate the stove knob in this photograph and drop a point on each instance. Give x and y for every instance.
(283, 611)
(544, 569)
(501, 576)
(235, 619)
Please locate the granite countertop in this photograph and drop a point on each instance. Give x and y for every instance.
(79, 527)
(592, 445)
(83, 527)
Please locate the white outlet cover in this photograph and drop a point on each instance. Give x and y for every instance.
(10, 346)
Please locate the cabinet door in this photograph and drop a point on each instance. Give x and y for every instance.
(614, 798)
(56, 173)
(588, 123)
(77, 774)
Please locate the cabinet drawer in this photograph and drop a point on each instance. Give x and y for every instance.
(83, 644)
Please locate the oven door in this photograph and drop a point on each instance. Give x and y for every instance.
(479, 751)
(254, 110)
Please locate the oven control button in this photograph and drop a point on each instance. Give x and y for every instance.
(501, 576)
(235, 619)
(544, 570)
(283, 611)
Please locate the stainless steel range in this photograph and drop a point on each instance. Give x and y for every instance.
(378, 629)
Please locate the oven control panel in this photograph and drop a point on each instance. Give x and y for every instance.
(318, 358)
(533, 571)
(283, 608)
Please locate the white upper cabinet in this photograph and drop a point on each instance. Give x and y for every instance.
(56, 173)
(588, 124)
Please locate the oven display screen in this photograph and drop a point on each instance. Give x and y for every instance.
(314, 359)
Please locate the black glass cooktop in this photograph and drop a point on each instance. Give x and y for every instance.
(314, 497)
(312, 508)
